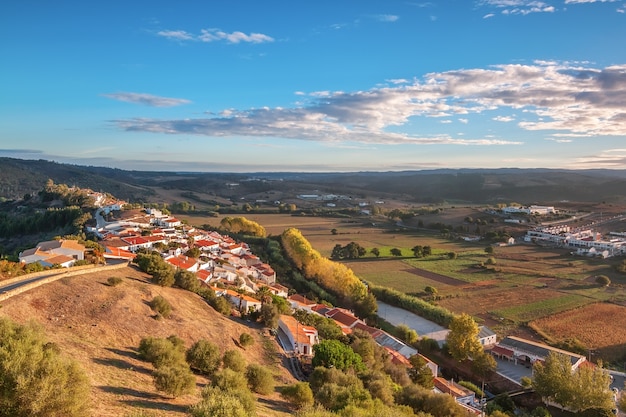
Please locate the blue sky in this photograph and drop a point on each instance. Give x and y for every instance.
(343, 85)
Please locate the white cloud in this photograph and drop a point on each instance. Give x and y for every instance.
(147, 99)
(516, 7)
(488, 15)
(464, 121)
(557, 98)
(215, 35)
(387, 17)
(503, 119)
(588, 1)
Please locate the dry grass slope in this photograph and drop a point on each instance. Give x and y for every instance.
(101, 326)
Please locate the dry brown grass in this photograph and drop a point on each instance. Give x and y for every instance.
(599, 326)
(101, 326)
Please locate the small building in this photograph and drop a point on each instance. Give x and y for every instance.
(486, 336)
(461, 394)
(51, 248)
(527, 352)
(301, 337)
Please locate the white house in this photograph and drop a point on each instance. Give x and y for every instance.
(48, 249)
(301, 337)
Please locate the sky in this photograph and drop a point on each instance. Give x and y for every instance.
(315, 86)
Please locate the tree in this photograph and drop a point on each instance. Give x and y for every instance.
(260, 379)
(375, 252)
(407, 334)
(233, 359)
(333, 353)
(418, 251)
(333, 231)
(420, 373)
(204, 357)
(218, 403)
(427, 251)
(186, 280)
(452, 255)
(174, 380)
(35, 379)
(269, 315)
(483, 364)
(462, 340)
(578, 390)
(395, 252)
(489, 250)
(298, 394)
(430, 290)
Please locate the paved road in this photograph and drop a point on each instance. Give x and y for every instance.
(18, 284)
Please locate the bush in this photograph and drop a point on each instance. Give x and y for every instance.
(161, 352)
(114, 281)
(161, 306)
(603, 280)
(299, 394)
(174, 380)
(204, 357)
(472, 387)
(218, 402)
(229, 380)
(246, 339)
(35, 380)
(260, 379)
(234, 360)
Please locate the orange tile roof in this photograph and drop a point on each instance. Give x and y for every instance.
(299, 331)
(58, 259)
(451, 388)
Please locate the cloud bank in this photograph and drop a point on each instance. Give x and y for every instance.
(147, 99)
(215, 35)
(565, 99)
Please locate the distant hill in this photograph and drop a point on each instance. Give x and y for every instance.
(526, 186)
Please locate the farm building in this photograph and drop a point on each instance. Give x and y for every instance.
(527, 352)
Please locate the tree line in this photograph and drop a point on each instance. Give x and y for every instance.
(332, 276)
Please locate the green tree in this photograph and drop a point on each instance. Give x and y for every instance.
(233, 359)
(420, 373)
(35, 379)
(218, 403)
(418, 251)
(375, 252)
(579, 390)
(489, 250)
(161, 352)
(430, 290)
(462, 340)
(298, 394)
(395, 252)
(204, 357)
(427, 251)
(603, 280)
(483, 364)
(407, 334)
(333, 353)
(174, 380)
(186, 280)
(260, 379)
(452, 255)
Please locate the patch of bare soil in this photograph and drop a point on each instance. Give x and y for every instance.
(101, 326)
(444, 279)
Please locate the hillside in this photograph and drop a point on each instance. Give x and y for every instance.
(526, 186)
(101, 326)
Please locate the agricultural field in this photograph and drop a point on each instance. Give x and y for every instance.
(524, 284)
(588, 324)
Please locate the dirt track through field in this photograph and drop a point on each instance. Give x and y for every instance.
(444, 279)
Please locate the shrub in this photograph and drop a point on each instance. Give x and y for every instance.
(229, 380)
(218, 402)
(246, 339)
(299, 394)
(603, 280)
(204, 357)
(174, 380)
(233, 359)
(260, 379)
(490, 261)
(35, 380)
(161, 306)
(472, 387)
(114, 281)
(160, 352)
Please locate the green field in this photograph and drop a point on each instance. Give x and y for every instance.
(526, 283)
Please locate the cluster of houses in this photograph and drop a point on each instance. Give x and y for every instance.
(233, 271)
(533, 209)
(585, 241)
